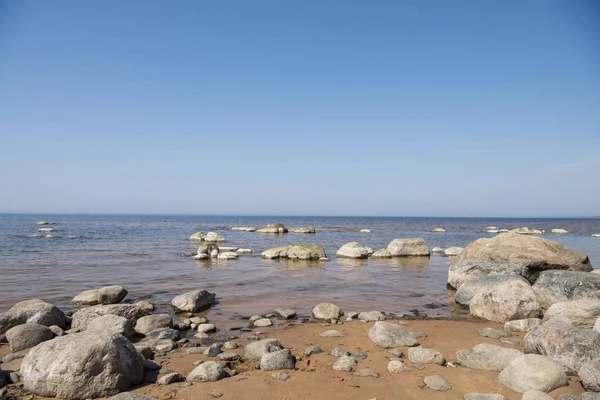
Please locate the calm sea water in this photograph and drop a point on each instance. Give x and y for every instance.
(141, 253)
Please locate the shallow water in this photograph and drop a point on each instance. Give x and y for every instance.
(141, 253)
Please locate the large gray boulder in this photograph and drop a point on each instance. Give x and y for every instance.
(147, 324)
(487, 357)
(82, 365)
(24, 336)
(31, 312)
(82, 318)
(465, 293)
(412, 247)
(505, 301)
(353, 250)
(113, 324)
(111, 294)
(533, 372)
(210, 371)
(589, 374)
(295, 252)
(560, 341)
(327, 311)
(558, 286)
(583, 313)
(387, 335)
(86, 298)
(196, 300)
(513, 254)
(281, 359)
(256, 350)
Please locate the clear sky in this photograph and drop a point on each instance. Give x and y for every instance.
(399, 108)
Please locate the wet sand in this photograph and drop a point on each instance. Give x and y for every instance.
(314, 377)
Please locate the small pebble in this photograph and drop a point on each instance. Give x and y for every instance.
(282, 376)
(361, 354)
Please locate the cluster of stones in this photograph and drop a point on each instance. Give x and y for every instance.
(210, 249)
(274, 229)
(526, 231)
(412, 247)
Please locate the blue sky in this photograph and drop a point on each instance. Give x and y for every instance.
(407, 108)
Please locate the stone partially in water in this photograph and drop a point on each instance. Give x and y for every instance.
(111, 294)
(353, 250)
(86, 298)
(413, 247)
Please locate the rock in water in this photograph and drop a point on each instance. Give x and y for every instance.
(327, 311)
(210, 371)
(281, 359)
(82, 365)
(387, 335)
(273, 228)
(24, 336)
(113, 324)
(582, 313)
(353, 250)
(505, 301)
(213, 237)
(111, 294)
(484, 284)
(533, 372)
(196, 300)
(558, 286)
(452, 251)
(512, 254)
(83, 317)
(86, 298)
(381, 253)
(487, 357)
(198, 237)
(151, 322)
(31, 312)
(408, 247)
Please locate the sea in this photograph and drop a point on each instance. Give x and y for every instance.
(146, 255)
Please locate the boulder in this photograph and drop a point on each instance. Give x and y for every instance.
(82, 365)
(256, 350)
(382, 253)
(353, 250)
(112, 324)
(31, 312)
(209, 371)
(558, 286)
(533, 372)
(111, 294)
(589, 375)
(487, 357)
(213, 237)
(583, 313)
(387, 335)
(452, 251)
(24, 336)
(275, 253)
(422, 355)
(208, 249)
(505, 301)
(196, 300)
(559, 341)
(522, 325)
(327, 311)
(408, 247)
(281, 359)
(484, 284)
(513, 254)
(83, 317)
(198, 237)
(151, 322)
(86, 298)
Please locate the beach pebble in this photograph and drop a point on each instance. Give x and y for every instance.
(164, 333)
(282, 359)
(206, 328)
(263, 322)
(213, 350)
(197, 320)
(339, 352)
(327, 311)
(396, 352)
(286, 313)
(167, 379)
(145, 305)
(228, 356)
(361, 355)
(256, 350)
(493, 333)
(230, 345)
(312, 350)
(345, 363)
(330, 334)
(437, 383)
(422, 355)
(386, 335)
(196, 300)
(209, 371)
(370, 316)
(395, 366)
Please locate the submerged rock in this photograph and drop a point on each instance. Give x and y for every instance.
(82, 365)
(512, 254)
(198, 236)
(244, 228)
(416, 247)
(526, 231)
(382, 253)
(452, 251)
(308, 229)
(295, 252)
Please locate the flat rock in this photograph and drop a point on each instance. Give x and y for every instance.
(149, 323)
(82, 365)
(131, 396)
(113, 324)
(327, 311)
(422, 355)
(533, 372)
(408, 247)
(437, 383)
(281, 359)
(206, 328)
(285, 313)
(366, 373)
(388, 335)
(194, 301)
(558, 286)
(381, 253)
(164, 333)
(582, 313)
(263, 322)
(256, 350)
(228, 356)
(295, 252)
(111, 294)
(209, 371)
(24, 336)
(487, 357)
(513, 254)
(227, 255)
